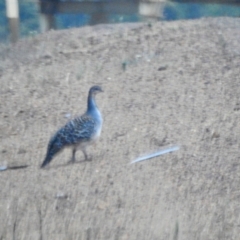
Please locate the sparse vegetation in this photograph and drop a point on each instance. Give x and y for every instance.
(182, 90)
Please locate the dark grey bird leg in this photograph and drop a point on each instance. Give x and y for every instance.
(85, 155)
(73, 159)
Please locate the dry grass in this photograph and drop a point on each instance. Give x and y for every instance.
(167, 83)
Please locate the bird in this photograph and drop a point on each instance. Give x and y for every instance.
(79, 132)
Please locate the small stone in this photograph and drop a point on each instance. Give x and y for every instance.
(61, 195)
(162, 68)
(215, 135)
(101, 205)
(21, 151)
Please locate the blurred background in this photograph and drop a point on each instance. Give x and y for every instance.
(30, 22)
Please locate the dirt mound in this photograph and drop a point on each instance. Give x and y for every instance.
(164, 83)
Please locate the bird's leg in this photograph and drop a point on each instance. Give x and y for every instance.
(73, 159)
(85, 155)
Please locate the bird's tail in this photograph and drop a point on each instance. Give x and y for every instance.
(47, 160)
(53, 148)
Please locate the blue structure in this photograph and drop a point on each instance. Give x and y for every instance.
(98, 11)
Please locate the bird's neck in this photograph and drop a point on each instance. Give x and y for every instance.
(91, 106)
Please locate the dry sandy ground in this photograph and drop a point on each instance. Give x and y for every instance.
(165, 83)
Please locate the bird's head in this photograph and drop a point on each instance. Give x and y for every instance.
(94, 90)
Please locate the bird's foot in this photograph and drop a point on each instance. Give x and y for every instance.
(88, 158)
(72, 161)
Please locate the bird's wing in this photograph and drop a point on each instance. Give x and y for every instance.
(83, 128)
(76, 130)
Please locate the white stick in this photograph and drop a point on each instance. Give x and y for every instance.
(161, 152)
(12, 8)
(3, 168)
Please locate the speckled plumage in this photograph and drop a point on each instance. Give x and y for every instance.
(79, 132)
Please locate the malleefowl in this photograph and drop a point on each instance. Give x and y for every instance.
(79, 132)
